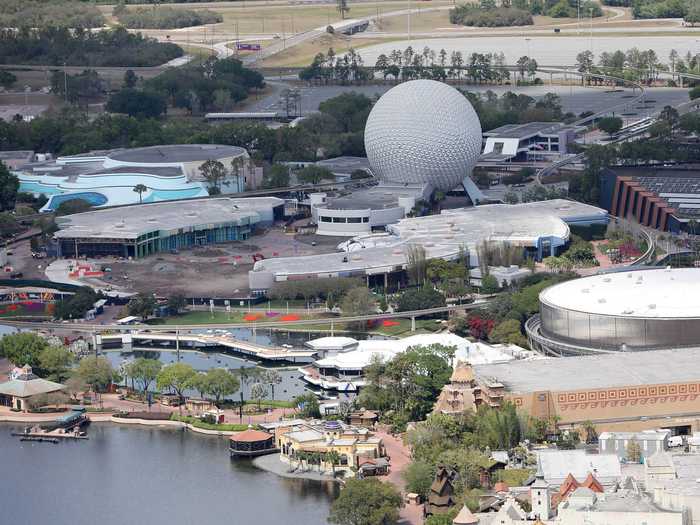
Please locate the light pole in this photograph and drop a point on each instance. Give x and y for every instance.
(578, 16)
(527, 41)
(591, 30)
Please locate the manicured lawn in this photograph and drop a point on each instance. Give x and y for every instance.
(396, 327)
(217, 317)
(195, 422)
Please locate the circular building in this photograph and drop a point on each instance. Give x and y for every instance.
(635, 310)
(187, 157)
(251, 443)
(423, 132)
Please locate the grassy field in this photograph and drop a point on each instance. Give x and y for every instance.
(302, 54)
(324, 323)
(235, 316)
(241, 18)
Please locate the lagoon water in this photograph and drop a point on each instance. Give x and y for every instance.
(137, 475)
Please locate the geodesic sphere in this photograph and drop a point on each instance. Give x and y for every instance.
(421, 132)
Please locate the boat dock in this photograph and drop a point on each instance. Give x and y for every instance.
(219, 339)
(64, 427)
(52, 436)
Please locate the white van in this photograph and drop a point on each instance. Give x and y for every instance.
(676, 441)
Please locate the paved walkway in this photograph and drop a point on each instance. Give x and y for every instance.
(273, 463)
(400, 458)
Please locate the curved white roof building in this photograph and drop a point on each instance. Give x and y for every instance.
(539, 228)
(634, 310)
(108, 178)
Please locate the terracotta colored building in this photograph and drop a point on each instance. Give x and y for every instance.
(616, 391)
(661, 198)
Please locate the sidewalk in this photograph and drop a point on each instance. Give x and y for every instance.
(400, 458)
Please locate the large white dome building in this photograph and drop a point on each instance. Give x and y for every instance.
(423, 132)
(634, 310)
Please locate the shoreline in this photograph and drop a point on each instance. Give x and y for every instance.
(271, 463)
(268, 463)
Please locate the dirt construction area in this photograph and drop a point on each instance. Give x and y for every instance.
(218, 270)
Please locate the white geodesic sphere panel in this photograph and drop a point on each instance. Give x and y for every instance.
(423, 131)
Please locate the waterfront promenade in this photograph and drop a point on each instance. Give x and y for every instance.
(110, 404)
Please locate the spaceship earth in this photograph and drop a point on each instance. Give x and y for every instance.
(421, 132)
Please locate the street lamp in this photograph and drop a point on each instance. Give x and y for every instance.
(578, 15)
(591, 31)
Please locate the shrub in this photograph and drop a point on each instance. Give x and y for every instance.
(197, 423)
(420, 299)
(166, 18)
(114, 47)
(472, 15)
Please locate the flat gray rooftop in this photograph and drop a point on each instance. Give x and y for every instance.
(375, 198)
(130, 222)
(176, 153)
(345, 164)
(73, 171)
(16, 154)
(523, 131)
(599, 371)
(443, 235)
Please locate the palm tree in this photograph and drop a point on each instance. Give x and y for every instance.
(272, 378)
(333, 458)
(140, 189)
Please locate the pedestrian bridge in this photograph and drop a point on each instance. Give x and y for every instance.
(221, 340)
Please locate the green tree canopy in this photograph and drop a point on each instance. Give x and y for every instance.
(96, 372)
(176, 377)
(366, 502)
(508, 331)
(418, 477)
(350, 110)
(358, 301)
(137, 103)
(498, 428)
(142, 305)
(76, 305)
(420, 299)
(24, 348)
(71, 206)
(56, 362)
(7, 79)
(145, 371)
(489, 284)
(177, 302)
(277, 176)
(308, 405)
(220, 383)
(610, 125)
(314, 174)
(410, 383)
(9, 186)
